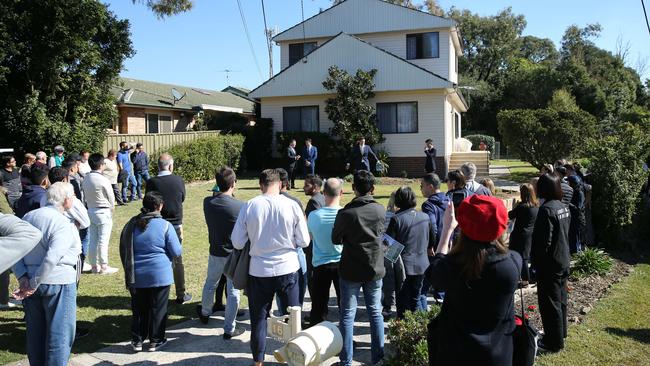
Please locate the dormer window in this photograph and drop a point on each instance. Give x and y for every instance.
(299, 50)
(422, 45)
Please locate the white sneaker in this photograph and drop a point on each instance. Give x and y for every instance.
(87, 267)
(109, 270)
(95, 269)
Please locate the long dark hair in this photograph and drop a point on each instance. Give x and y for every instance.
(150, 205)
(472, 254)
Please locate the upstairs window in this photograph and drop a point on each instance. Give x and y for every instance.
(300, 119)
(422, 45)
(397, 117)
(299, 50)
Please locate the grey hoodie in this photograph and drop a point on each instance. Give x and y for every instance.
(17, 238)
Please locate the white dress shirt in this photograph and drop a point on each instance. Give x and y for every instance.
(275, 226)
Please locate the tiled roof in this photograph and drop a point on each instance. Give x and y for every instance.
(159, 95)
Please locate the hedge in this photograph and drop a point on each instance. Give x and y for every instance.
(476, 141)
(198, 159)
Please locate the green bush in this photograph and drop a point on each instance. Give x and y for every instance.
(476, 141)
(408, 338)
(198, 159)
(591, 261)
(384, 158)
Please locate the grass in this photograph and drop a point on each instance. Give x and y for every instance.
(103, 303)
(520, 171)
(616, 332)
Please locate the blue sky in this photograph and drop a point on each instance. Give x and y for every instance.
(192, 49)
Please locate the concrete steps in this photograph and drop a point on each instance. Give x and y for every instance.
(479, 158)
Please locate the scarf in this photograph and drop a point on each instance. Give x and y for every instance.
(126, 244)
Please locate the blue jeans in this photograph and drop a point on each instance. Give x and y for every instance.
(372, 297)
(129, 181)
(139, 177)
(85, 240)
(215, 270)
(51, 315)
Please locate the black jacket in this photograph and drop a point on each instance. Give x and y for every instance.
(414, 230)
(521, 238)
(291, 158)
(476, 322)
(172, 189)
(315, 202)
(221, 214)
(359, 227)
(550, 250)
(430, 162)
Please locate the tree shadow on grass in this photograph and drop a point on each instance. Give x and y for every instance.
(104, 302)
(639, 335)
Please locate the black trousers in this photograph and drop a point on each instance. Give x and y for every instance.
(179, 268)
(392, 282)
(117, 193)
(292, 176)
(309, 255)
(409, 295)
(322, 279)
(553, 297)
(4, 287)
(221, 288)
(525, 271)
(261, 291)
(149, 307)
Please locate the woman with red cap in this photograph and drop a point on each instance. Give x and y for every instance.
(479, 276)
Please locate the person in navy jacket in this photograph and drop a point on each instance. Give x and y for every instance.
(309, 155)
(360, 155)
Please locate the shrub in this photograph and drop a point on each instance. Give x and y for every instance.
(382, 164)
(591, 261)
(198, 159)
(408, 338)
(476, 141)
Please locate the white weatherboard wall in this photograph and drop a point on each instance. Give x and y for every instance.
(432, 106)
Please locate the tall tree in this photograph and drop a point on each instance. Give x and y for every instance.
(167, 8)
(58, 62)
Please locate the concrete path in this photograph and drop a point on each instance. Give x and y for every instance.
(497, 173)
(192, 344)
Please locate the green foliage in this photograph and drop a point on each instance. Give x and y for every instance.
(476, 141)
(348, 110)
(408, 338)
(383, 157)
(58, 62)
(590, 262)
(198, 159)
(616, 169)
(167, 8)
(541, 136)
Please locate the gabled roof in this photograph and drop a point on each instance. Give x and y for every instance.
(152, 94)
(363, 16)
(237, 90)
(349, 53)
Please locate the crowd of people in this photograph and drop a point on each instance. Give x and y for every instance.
(455, 248)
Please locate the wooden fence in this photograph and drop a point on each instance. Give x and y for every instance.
(153, 142)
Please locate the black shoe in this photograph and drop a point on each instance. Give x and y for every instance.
(235, 333)
(136, 345)
(241, 313)
(156, 346)
(81, 332)
(387, 314)
(182, 300)
(218, 307)
(543, 348)
(203, 318)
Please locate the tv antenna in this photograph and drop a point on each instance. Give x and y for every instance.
(228, 71)
(177, 96)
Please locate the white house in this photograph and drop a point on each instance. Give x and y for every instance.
(416, 92)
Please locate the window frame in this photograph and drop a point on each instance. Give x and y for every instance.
(300, 107)
(158, 123)
(420, 42)
(314, 43)
(397, 132)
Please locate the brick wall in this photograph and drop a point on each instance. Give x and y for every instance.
(414, 166)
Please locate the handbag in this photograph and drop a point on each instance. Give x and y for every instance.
(524, 338)
(236, 267)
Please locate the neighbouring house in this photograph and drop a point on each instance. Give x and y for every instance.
(237, 90)
(416, 86)
(147, 107)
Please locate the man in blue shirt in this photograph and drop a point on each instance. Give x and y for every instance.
(126, 176)
(325, 255)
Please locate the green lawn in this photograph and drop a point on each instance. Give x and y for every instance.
(616, 332)
(103, 302)
(520, 171)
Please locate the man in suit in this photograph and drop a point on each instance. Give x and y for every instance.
(360, 155)
(430, 152)
(310, 154)
(292, 159)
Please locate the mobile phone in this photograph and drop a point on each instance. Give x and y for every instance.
(457, 198)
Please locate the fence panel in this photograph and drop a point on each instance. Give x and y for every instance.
(153, 142)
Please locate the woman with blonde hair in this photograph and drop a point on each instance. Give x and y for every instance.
(521, 238)
(489, 184)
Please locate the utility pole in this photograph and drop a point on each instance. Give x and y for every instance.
(270, 33)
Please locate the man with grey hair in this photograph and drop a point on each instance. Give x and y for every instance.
(57, 157)
(469, 171)
(172, 189)
(41, 158)
(47, 278)
(325, 255)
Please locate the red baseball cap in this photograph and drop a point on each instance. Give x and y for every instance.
(482, 218)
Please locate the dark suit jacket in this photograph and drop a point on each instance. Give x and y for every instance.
(291, 158)
(430, 163)
(360, 158)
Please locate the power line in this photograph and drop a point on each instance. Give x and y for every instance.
(646, 16)
(250, 43)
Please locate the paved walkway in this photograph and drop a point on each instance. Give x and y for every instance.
(497, 173)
